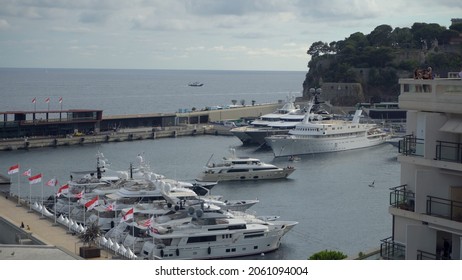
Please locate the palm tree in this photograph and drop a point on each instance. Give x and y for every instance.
(90, 235)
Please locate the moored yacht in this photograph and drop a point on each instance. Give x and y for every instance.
(311, 137)
(265, 121)
(242, 168)
(213, 235)
(257, 132)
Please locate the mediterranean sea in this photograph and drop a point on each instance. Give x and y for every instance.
(328, 194)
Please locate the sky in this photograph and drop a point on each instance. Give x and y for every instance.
(269, 35)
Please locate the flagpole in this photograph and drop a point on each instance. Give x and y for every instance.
(69, 208)
(30, 195)
(42, 198)
(19, 190)
(54, 193)
(84, 212)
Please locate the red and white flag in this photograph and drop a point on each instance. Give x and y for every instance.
(63, 189)
(92, 203)
(79, 195)
(148, 222)
(111, 207)
(47, 100)
(128, 215)
(13, 169)
(28, 173)
(60, 100)
(52, 182)
(35, 179)
(34, 100)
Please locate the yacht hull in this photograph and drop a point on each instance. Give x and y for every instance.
(290, 145)
(256, 135)
(233, 245)
(248, 175)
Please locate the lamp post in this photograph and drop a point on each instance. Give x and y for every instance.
(315, 91)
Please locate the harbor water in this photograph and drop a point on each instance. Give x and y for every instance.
(328, 194)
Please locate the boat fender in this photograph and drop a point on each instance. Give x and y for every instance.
(209, 250)
(177, 251)
(161, 253)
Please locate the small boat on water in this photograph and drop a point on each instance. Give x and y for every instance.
(235, 168)
(196, 84)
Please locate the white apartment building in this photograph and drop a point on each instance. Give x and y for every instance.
(426, 208)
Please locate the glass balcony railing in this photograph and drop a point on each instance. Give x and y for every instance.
(449, 151)
(444, 208)
(411, 146)
(391, 250)
(402, 198)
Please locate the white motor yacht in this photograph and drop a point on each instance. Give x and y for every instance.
(311, 137)
(242, 168)
(213, 235)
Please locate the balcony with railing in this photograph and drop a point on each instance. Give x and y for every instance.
(447, 154)
(392, 250)
(442, 255)
(449, 151)
(444, 208)
(402, 198)
(411, 146)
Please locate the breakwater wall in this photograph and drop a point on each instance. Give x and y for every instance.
(129, 134)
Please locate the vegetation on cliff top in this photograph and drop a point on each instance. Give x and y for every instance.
(378, 59)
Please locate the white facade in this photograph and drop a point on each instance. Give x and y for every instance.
(427, 206)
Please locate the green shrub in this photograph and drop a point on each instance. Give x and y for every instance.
(328, 255)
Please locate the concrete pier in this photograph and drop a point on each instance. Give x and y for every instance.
(129, 134)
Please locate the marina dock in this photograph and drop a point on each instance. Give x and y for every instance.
(128, 134)
(36, 129)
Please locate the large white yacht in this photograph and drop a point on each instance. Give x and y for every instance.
(280, 125)
(265, 121)
(235, 168)
(311, 137)
(213, 235)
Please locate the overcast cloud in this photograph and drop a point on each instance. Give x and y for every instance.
(193, 34)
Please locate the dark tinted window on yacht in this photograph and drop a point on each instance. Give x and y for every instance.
(254, 235)
(266, 168)
(197, 239)
(238, 170)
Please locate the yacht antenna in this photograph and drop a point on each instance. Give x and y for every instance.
(131, 170)
(209, 160)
